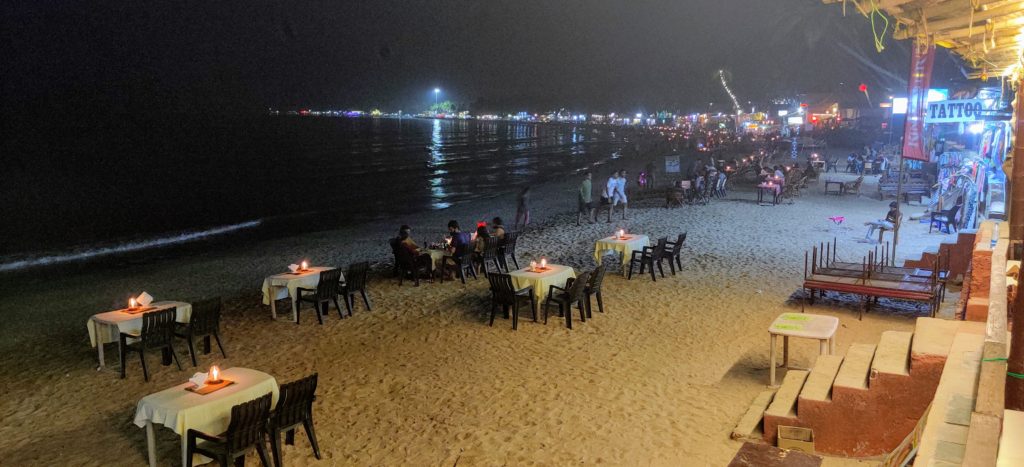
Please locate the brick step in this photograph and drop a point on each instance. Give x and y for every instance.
(819, 384)
(784, 403)
(893, 353)
(853, 373)
(933, 336)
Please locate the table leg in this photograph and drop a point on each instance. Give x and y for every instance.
(832, 345)
(184, 449)
(785, 351)
(295, 310)
(823, 347)
(151, 443)
(771, 362)
(99, 350)
(273, 301)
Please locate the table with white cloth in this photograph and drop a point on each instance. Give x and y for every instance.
(280, 286)
(437, 257)
(107, 327)
(624, 247)
(180, 410)
(556, 274)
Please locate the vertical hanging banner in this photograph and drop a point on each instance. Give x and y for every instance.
(921, 60)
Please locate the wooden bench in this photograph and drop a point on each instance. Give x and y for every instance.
(910, 188)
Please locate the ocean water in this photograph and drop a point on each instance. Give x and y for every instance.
(82, 190)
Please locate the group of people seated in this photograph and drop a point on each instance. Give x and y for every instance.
(457, 243)
(856, 163)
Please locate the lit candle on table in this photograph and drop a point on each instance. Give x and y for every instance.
(214, 375)
(304, 266)
(533, 265)
(132, 303)
(543, 262)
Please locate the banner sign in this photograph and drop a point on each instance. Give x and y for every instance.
(672, 164)
(917, 97)
(955, 111)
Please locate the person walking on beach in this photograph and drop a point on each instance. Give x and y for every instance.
(608, 197)
(585, 206)
(522, 208)
(620, 193)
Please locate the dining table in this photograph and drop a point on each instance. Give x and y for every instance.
(437, 256)
(542, 280)
(106, 327)
(772, 189)
(180, 409)
(623, 246)
(283, 285)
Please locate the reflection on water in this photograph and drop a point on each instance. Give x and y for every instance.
(328, 170)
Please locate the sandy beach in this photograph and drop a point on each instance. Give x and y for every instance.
(661, 378)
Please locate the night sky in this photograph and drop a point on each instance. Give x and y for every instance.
(106, 58)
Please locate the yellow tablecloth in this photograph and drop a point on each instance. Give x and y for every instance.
(107, 326)
(181, 410)
(284, 284)
(540, 281)
(623, 248)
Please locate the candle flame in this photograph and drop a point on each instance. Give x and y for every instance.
(214, 376)
(305, 265)
(132, 303)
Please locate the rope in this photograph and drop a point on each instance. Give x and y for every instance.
(879, 37)
(993, 360)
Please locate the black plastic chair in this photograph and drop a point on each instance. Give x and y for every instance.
(157, 333)
(294, 408)
(463, 264)
(407, 264)
(944, 219)
(572, 293)
(355, 281)
(247, 429)
(507, 249)
(593, 289)
(504, 293)
(490, 255)
(204, 322)
(325, 292)
(648, 257)
(675, 252)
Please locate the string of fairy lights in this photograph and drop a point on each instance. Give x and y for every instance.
(725, 84)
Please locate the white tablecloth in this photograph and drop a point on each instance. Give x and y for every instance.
(108, 325)
(285, 284)
(181, 410)
(556, 275)
(624, 248)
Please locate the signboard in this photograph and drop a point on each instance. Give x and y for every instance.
(672, 164)
(954, 111)
(922, 57)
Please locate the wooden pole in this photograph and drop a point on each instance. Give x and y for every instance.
(1015, 361)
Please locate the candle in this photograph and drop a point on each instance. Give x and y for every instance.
(533, 265)
(304, 266)
(132, 303)
(620, 233)
(543, 262)
(214, 375)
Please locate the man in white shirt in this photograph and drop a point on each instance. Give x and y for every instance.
(620, 192)
(609, 193)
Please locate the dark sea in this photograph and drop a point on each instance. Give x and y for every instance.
(86, 190)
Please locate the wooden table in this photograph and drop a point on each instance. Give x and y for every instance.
(805, 325)
(180, 410)
(838, 191)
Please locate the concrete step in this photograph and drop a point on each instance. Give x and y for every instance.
(784, 403)
(933, 336)
(893, 353)
(819, 384)
(751, 420)
(854, 371)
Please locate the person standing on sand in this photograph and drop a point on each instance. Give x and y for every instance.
(585, 206)
(522, 208)
(620, 193)
(609, 193)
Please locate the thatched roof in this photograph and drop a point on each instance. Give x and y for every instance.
(986, 33)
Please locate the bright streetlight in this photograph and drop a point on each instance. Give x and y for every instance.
(436, 92)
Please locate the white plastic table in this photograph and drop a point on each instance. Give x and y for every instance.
(180, 410)
(106, 327)
(283, 285)
(623, 247)
(805, 325)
